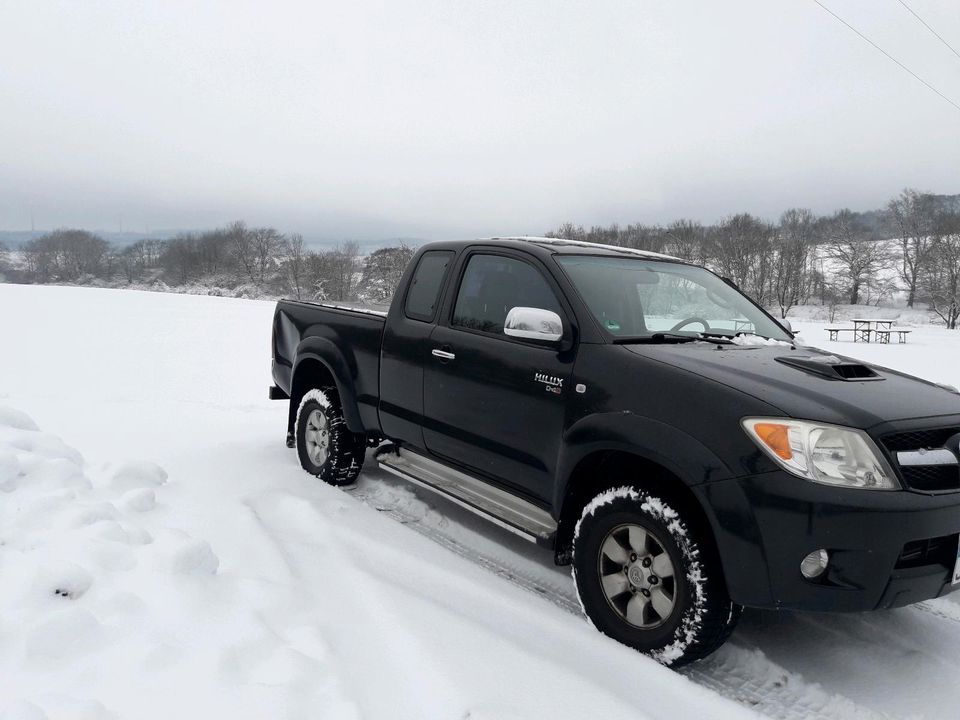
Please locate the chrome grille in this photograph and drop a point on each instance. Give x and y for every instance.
(924, 461)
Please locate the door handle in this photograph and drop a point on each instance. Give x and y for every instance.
(442, 354)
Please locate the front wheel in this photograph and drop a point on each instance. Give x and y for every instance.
(644, 578)
(325, 445)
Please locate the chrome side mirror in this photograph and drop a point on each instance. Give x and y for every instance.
(533, 324)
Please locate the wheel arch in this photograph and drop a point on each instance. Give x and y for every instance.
(632, 450)
(605, 469)
(321, 364)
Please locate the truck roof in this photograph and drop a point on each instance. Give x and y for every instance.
(562, 246)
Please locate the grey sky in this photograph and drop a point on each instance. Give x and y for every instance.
(440, 118)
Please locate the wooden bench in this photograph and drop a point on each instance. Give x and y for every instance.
(835, 332)
(883, 336)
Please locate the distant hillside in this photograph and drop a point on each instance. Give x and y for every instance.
(15, 238)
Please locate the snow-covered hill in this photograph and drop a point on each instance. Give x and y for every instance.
(182, 565)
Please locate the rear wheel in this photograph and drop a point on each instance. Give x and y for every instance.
(325, 445)
(645, 579)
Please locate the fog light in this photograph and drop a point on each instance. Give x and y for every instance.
(813, 565)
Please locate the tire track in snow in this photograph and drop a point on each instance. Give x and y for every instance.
(291, 524)
(749, 678)
(552, 592)
(744, 675)
(941, 608)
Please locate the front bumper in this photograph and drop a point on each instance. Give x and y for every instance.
(887, 549)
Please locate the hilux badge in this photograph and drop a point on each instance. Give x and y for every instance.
(554, 384)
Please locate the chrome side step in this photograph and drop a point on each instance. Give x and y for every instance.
(506, 510)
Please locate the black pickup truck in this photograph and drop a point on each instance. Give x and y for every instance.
(645, 421)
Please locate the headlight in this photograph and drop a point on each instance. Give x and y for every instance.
(825, 454)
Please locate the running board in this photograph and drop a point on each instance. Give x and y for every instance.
(500, 507)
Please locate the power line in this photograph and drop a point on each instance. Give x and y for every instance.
(888, 55)
(927, 26)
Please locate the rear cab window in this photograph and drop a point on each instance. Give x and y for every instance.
(424, 292)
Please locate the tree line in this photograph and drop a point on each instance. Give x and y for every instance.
(236, 259)
(912, 246)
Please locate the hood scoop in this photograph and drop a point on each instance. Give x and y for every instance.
(831, 367)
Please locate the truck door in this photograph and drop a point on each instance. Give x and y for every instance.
(405, 350)
(493, 403)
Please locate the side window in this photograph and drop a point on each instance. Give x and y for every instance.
(492, 285)
(424, 291)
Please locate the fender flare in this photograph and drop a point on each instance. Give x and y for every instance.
(332, 358)
(681, 454)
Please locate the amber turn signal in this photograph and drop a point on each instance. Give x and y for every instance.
(776, 437)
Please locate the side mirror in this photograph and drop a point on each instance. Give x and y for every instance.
(785, 324)
(533, 324)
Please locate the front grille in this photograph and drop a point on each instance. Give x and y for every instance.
(925, 478)
(919, 439)
(932, 551)
(932, 478)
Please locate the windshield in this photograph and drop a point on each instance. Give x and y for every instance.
(639, 298)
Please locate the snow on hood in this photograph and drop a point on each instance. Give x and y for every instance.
(758, 340)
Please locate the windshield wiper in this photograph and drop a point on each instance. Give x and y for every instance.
(659, 337)
(672, 338)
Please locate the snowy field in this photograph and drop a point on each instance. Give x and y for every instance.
(162, 555)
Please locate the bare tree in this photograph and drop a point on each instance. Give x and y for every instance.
(940, 279)
(179, 259)
(66, 255)
(213, 252)
(913, 215)
(569, 231)
(129, 264)
(382, 271)
(686, 239)
(344, 266)
(295, 263)
(240, 239)
(148, 252)
(793, 244)
(857, 253)
(266, 243)
(317, 275)
(740, 249)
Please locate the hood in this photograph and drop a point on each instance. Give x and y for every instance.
(810, 384)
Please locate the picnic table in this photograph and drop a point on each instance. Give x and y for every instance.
(862, 328)
(883, 336)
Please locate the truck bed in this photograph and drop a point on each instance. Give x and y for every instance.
(306, 330)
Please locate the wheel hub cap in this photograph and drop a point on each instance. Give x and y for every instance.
(637, 576)
(317, 437)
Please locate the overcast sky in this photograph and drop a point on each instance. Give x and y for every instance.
(438, 118)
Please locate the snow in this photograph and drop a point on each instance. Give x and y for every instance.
(185, 566)
(749, 340)
(204, 574)
(931, 351)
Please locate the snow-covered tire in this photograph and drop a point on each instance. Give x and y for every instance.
(634, 556)
(325, 445)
